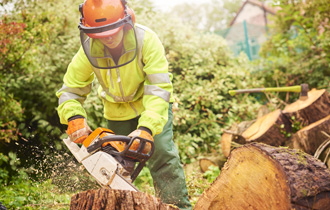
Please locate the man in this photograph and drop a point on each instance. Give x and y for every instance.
(135, 87)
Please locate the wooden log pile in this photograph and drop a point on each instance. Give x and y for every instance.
(304, 125)
(259, 176)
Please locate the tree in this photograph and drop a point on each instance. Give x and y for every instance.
(297, 51)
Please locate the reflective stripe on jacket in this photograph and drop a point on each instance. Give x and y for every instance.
(142, 87)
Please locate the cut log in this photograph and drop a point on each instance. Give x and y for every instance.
(225, 142)
(309, 138)
(271, 129)
(305, 112)
(259, 176)
(111, 199)
(217, 160)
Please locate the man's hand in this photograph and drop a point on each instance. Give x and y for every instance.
(78, 130)
(143, 133)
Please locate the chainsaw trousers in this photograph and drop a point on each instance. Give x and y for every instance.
(165, 166)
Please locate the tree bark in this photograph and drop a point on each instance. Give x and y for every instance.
(312, 136)
(305, 112)
(259, 176)
(271, 129)
(110, 199)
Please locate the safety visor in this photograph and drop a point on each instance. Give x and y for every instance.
(99, 52)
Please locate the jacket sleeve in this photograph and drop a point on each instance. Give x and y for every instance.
(77, 85)
(158, 88)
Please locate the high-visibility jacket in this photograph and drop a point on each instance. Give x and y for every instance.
(141, 88)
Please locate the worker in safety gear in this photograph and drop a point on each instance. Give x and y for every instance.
(129, 62)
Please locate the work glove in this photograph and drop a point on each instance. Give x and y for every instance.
(78, 130)
(142, 132)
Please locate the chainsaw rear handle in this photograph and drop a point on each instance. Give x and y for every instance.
(126, 152)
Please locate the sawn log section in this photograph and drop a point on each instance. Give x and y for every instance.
(258, 176)
(270, 129)
(309, 138)
(311, 110)
(110, 199)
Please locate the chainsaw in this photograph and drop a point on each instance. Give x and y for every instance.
(111, 159)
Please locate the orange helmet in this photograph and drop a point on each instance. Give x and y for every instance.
(102, 18)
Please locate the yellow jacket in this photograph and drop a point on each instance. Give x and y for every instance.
(142, 87)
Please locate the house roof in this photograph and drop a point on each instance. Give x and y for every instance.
(256, 3)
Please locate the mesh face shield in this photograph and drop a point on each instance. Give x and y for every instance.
(98, 54)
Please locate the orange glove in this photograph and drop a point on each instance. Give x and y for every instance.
(143, 133)
(78, 130)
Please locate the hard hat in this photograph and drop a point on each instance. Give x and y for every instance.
(109, 16)
(104, 18)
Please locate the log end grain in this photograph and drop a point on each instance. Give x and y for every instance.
(259, 176)
(313, 95)
(249, 180)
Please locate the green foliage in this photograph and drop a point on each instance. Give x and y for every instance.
(197, 181)
(35, 62)
(212, 173)
(23, 193)
(20, 190)
(10, 112)
(297, 51)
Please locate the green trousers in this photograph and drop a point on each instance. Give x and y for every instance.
(165, 166)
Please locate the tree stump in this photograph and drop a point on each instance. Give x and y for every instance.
(309, 138)
(305, 112)
(111, 199)
(271, 129)
(259, 176)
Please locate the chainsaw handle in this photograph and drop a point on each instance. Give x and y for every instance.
(126, 152)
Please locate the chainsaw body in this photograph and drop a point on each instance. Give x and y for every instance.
(110, 159)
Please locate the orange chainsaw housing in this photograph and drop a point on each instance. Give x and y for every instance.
(102, 132)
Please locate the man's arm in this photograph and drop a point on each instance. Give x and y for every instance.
(158, 88)
(76, 87)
